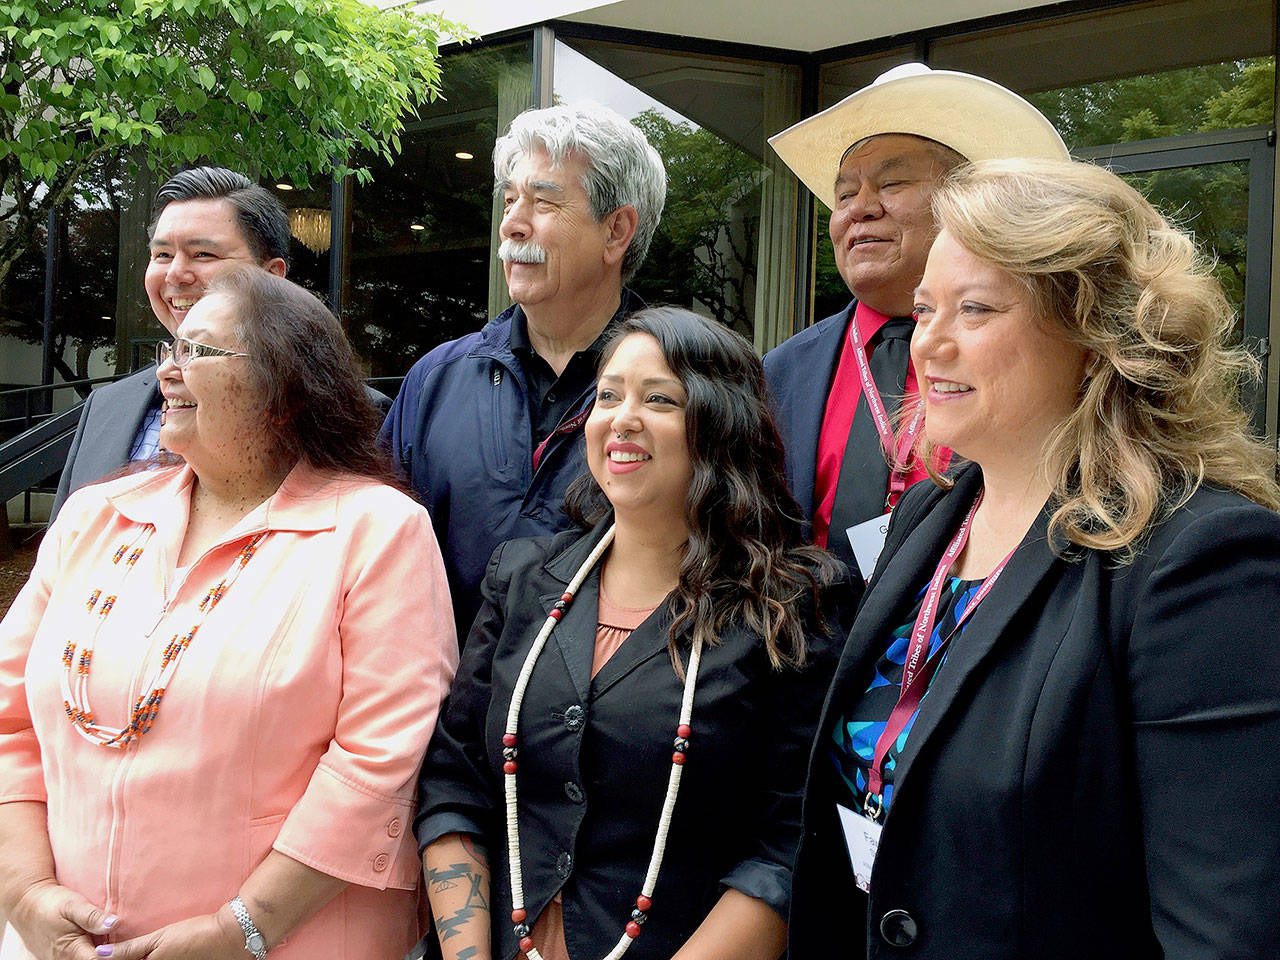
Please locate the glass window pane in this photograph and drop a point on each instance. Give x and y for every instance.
(1129, 40)
(839, 79)
(1218, 96)
(309, 228)
(418, 269)
(725, 246)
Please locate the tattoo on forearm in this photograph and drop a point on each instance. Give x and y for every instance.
(452, 926)
(472, 877)
(478, 897)
(475, 851)
(477, 902)
(447, 878)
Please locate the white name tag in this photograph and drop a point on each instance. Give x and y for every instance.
(867, 540)
(862, 837)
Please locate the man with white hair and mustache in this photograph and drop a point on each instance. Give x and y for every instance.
(488, 427)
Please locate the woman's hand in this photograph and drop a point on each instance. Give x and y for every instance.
(214, 936)
(56, 923)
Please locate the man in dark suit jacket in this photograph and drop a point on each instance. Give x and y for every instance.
(875, 158)
(208, 218)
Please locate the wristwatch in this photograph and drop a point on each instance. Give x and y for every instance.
(253, 941)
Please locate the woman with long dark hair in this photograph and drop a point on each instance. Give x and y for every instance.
(217, 685)
(686, 624)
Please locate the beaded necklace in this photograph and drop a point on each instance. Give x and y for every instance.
(644, 901)
(75, 673)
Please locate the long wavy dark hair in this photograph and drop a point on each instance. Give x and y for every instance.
(746, 561)
(316, 407)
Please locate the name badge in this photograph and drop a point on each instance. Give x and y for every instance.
(862, 837)
(867, 540)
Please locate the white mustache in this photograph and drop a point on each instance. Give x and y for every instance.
(521, 251)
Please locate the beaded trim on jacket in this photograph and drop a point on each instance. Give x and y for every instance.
(75, 672)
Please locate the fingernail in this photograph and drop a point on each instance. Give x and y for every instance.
(110, 922)
(105, 950)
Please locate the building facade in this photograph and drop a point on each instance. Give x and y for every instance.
(1178, 95)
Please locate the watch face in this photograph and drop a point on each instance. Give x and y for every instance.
(255, 943)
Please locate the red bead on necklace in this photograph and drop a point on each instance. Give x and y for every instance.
(519, 916)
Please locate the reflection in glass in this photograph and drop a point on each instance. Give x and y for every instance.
(725, 246)
(308, 261)
(86, 301)
(1217, 96)
(418, 271)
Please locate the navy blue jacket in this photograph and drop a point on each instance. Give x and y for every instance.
(460, 430)
(799, 372)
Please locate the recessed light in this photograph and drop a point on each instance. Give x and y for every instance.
(463, 155)
(284, 186)
(106, 318)
(416, 226)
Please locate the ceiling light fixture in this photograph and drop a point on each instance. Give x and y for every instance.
(312, 226)
(284, 186)
(463, 155)
(416, 226)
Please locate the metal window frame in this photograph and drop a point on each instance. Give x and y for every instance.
(1254, 146)
(1171, 152)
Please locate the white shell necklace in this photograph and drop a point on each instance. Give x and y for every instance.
(644, 901)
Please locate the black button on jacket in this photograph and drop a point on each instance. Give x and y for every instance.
(736, 821)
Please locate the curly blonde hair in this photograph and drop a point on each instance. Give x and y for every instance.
(1159, 411)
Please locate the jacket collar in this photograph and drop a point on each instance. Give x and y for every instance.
(307, 500)
(574, 636)
(495, 338)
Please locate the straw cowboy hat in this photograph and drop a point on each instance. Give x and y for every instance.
(977, 118)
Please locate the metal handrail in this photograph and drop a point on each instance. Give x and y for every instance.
(29, 417)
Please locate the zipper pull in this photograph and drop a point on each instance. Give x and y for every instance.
(497, 376)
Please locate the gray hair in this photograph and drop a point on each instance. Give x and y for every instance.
(622, 168)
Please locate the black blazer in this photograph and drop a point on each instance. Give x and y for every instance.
(1095, 772)
(595, 755)
(799, 374)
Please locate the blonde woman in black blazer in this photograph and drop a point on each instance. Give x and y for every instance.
(1083, 763)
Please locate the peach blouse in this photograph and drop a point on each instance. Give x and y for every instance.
(296, 719)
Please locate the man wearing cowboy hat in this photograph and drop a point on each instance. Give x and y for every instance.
(876, 158)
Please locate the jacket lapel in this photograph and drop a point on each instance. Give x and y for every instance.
(1018, 585)
(893, 589)
(644, 642)
(575, 635)
(808, 410)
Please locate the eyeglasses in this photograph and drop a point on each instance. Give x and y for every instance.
(184, 351)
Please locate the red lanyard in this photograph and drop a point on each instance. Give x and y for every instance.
(915, 673)
(898, 451)
(567, 426)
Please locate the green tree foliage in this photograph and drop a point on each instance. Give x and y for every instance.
(286, 87)
(705, 247)
(1209, 201)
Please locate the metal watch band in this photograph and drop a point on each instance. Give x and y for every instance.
(253, 941)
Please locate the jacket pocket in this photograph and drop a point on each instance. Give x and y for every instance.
(504, 419)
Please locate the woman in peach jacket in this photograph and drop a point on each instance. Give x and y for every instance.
(216, 688)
